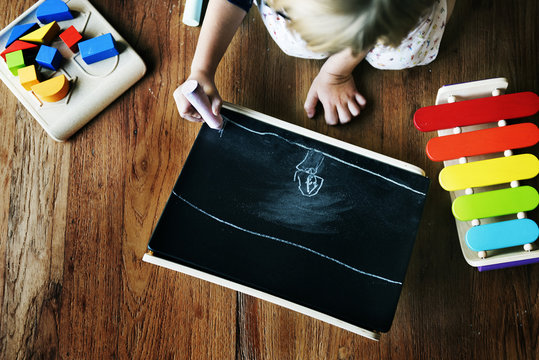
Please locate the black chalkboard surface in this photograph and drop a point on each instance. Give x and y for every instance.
(294, 217)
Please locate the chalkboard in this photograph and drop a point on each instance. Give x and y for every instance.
(279, 211)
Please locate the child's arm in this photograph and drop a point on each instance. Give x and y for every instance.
(334, 87)
(221, 21)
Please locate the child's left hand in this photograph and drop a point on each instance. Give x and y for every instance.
(338, 95)
(335, 88)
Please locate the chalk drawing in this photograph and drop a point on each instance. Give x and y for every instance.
(327, 155)
(286, 242)
(309, 184)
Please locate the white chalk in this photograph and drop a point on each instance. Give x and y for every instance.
(200, 101)
(191, 12)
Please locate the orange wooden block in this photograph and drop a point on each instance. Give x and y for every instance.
(28, 77)
(482, 142)
(52, 90)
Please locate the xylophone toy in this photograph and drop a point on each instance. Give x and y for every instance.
(481, 172)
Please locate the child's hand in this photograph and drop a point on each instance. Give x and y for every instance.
(338, 95)
(187, 111)
(221, 21)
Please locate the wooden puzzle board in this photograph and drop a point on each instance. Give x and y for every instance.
(92, 87)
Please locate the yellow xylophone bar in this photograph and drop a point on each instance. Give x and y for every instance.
(489, 172)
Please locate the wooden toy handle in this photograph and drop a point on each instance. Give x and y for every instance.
(200, 101)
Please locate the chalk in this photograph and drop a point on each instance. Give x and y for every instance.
(52, 90)
(53, 10)
(191, 12)
(200, 101)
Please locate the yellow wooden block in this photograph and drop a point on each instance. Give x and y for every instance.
(28, 77)
(489, 172)
(43, 35)
(52, 90)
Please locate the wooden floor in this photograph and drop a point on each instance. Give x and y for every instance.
(75, 217)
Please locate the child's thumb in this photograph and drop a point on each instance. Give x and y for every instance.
(216, 104)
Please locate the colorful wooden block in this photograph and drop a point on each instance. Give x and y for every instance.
(20, 45)
(15, 61)
(489, 172)
(482, 142)
(43, 35)
(28, 77)
(20, 30)
(49, 57)
(98, 48)
(71, 38)
(502, 234)
(52, 90)
(476, 111)
(493, 203)
(53, 10)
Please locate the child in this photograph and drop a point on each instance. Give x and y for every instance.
(343, 31)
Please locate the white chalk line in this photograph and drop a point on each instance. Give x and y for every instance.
(329, 156)
(286, 242)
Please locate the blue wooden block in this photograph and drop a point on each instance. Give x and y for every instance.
(20, 30)
(98, 48)
(53, 10)
(49, 57)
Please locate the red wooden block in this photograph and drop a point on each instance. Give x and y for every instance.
(477, 111)
(19, 45)
(482, 142)
(71, 38)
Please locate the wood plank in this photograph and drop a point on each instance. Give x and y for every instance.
(87, 293)
(34, 253)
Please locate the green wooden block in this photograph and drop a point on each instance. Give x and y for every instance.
(15, 61)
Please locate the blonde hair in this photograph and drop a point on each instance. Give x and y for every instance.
(332, 25)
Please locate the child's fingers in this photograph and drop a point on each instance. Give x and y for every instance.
(191, 114)
(310, 103)
(361, 100)
(193, 118)
(184, 107)
(330, 114)
(354, 108)
(186, 110)
(344, 114)
(216, 104)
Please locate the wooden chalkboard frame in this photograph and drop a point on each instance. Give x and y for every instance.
(169, 262)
